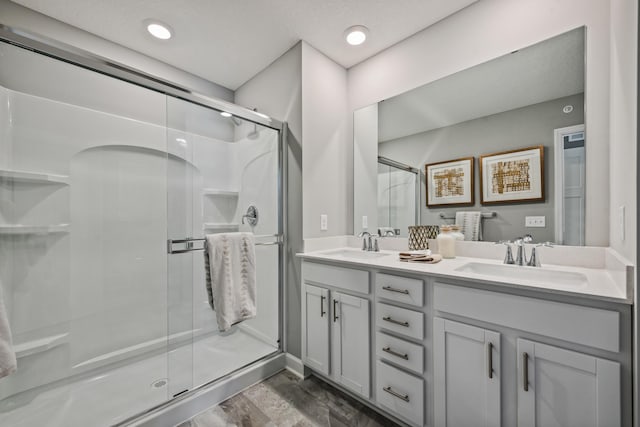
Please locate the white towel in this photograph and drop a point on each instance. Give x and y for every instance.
(8, 363)
(231, 277)
(470, 224)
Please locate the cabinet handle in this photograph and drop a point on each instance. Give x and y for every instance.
(392, 392)
(335, 316)
(490, 359)
(525, 371)
(397, 322)
(400, 291)
(322, 312)
(395, 353)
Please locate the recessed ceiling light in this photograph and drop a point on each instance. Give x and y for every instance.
(356, 35)
(225, 114)
(158, 30)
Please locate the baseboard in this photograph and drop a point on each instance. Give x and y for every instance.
(295, 365)
(199, 400)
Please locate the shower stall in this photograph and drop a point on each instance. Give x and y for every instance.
(109, 181)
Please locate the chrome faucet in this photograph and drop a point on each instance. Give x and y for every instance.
(508, 257)
(521, 254)
(369, 241)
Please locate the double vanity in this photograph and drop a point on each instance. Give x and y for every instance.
(470, 341)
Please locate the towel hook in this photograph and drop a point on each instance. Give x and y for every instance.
(252, 216)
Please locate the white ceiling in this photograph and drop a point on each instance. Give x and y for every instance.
(229, 41)
(547, 70)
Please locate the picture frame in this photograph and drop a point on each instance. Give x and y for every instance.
(515, 176)
(450, 183)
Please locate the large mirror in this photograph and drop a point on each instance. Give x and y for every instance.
(533, 97)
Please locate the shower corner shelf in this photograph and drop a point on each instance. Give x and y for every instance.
(40, 345)
(33, 177)
(17, 229)
(220, 226)
(219, 193)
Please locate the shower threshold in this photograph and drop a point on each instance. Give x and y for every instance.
(111, 396)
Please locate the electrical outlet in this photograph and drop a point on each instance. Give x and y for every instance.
(323, 222)
(365, 222)
(535, 221)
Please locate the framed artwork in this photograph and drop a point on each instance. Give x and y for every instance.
(512, 176)
(450, 183)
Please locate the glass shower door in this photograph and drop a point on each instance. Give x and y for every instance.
(219, 170)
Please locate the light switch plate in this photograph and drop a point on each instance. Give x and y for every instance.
(535, 221)
(323, 222)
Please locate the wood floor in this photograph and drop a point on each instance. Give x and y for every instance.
(285, 400)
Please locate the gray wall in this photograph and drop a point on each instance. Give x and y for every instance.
(520, 128)
(277, 91)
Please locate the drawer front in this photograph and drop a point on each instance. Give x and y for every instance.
(400, 320)
(339, 277)
(401, 289)
(401, 352)
(400, 393)
(588, 326)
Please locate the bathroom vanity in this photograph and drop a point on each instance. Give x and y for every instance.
(470, 341)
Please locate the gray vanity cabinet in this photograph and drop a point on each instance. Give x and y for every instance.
(558, 387)
(336, 325)
(466, 375)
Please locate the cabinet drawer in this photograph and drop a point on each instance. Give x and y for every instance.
(399, 392)
(339, 277)
(401, 289)
(588, 326)
(401, 352)
(400, 320)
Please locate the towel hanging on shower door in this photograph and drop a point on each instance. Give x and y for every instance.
(231, 277)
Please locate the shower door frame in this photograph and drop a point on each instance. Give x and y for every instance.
(87, 60)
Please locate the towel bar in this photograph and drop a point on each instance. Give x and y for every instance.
(484, 215)
(189, 243)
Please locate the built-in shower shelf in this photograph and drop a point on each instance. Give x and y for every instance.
(40, 345)
(220, 226)
(33, 177)
(219, 193)
(15, 229)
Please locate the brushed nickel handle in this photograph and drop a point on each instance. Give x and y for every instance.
(525, 371)
(322, 312)
(400, 291)
(395, 353)
(392, 392)
(490, 359)
(397, 322)
(335, 317)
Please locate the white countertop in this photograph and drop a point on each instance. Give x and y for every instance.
(604, 284)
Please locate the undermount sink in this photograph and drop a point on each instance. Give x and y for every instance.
(355, 254)
(530, 274)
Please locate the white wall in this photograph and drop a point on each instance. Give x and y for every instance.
(327, 157)
(14, 15)
(365, 167)
(277, 91)
(492, 28)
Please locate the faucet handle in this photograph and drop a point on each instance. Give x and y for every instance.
(534, 261)
(508, 258)
(528, 238)
(375, 245)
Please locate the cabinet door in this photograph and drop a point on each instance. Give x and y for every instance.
(315, 336)
(558, 387)
(350, 341)
(466, 375)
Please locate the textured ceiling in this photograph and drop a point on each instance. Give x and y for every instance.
(548, 70)
(229, 41)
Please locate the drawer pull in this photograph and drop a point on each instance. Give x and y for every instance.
(392, 392)
(490, 359)
(335, 310)
(322, 312)
(395, 353)
(400, 291)
(525, 371)
(397, 322)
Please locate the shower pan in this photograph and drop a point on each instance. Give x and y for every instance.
(109, 181)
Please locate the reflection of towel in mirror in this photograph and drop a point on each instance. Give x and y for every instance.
(231, 277)
(470, 224)
(7, 356)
